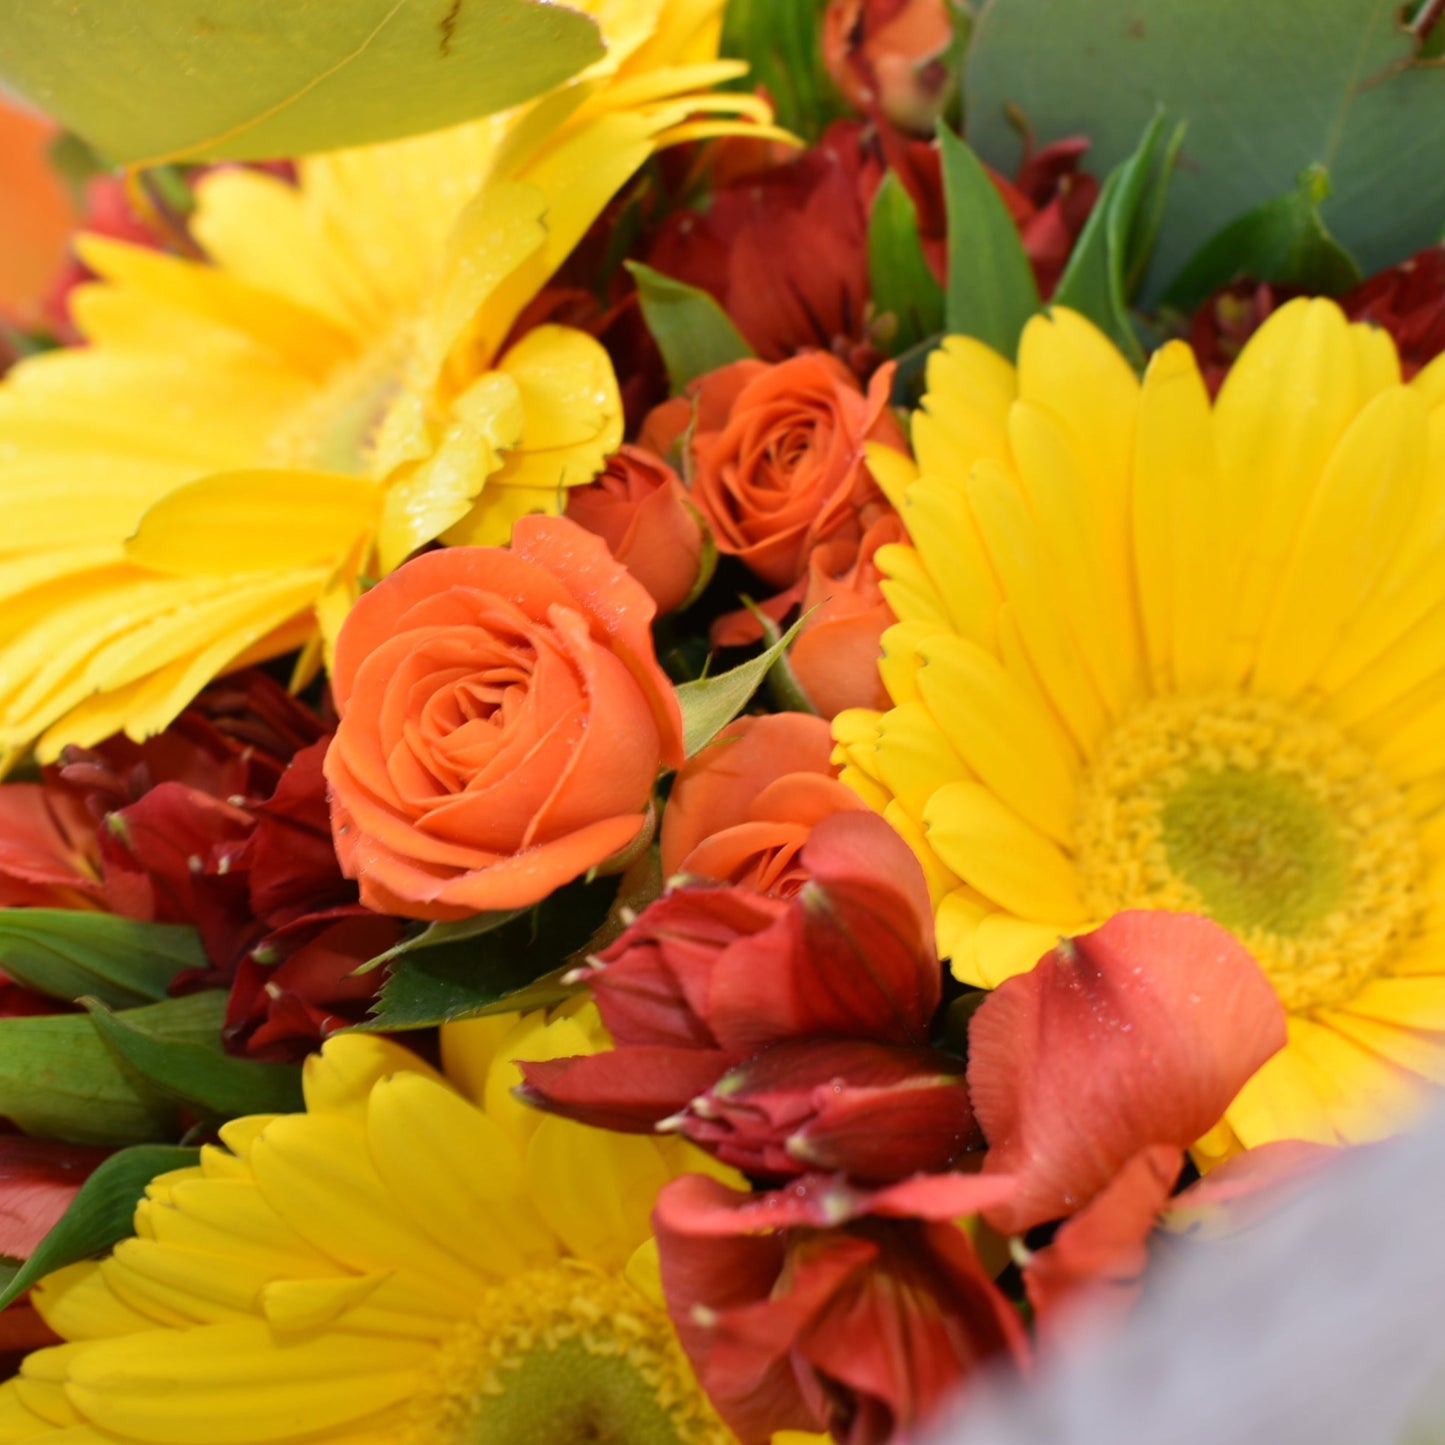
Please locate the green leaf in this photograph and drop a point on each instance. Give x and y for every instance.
(59, 1081)
(692, 331)
(1113, 246)
(69, 952)
(991, 288)
(438, 935)
(1284, 241)
(782, 42)
(1266, 90)
(145, 81)
(899, 279)
(711, 703)
(101, 1214)
(175, 1048)
(514, 966)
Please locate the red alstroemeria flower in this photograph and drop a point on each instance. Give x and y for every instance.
(822, 1307)
(709, 978)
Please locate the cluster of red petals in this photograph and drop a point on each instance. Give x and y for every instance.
(1087, 1079)
(782, 1034)
(1407, 300)
(503, 719)
(741, 810)
(784, 249)
(219, 822)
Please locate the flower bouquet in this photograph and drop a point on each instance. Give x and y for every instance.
(710, 712)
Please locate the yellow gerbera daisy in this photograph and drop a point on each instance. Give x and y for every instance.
(242, 441)
(416, 1260)
(1157, 653)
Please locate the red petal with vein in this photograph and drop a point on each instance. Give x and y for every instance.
(630, 1089)
(1139, 1033)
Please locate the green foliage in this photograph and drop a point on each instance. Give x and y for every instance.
(711, 703)
(899, 280)
(1111, 254)
(1284, 241)
(158, 80)
(781, 41)
(692, 331)
(516, 964)
(68, 953)
(1267, 90)
(99, 1215)
(991, 291)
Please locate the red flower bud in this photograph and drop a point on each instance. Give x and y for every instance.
(890, 57)
(639, 507)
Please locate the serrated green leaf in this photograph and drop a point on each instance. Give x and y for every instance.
(101, 1213)
(711, 703)
(1283, 241)
(692, 331)
(899, 279)
(69, 952)
(514, 966)
(145, 81)
(1266, 90)
(1111, 248)
(438, 935)
(59, 1081)
(175, 1048)
(991, 289)
(781, 40)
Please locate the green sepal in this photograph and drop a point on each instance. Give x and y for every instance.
(991, 291)
(100, 1215)
(692, 331)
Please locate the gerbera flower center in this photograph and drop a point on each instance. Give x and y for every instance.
(334, 429)
(566, 1353)
(1267, 820)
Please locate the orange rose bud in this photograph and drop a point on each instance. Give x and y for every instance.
(742, 809)
(778, 461)
(834, 658)
(503, 718)
(891, 57)
(639, 507)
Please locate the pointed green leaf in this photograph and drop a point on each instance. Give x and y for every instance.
(711, 703)
(1112, 247)
(156, 80)
(692, 331)
(1266, 90)
(899, 278)
(69, 952)
(175, 1048)
(59, 1081)
(782, 44)
(100, 1215)
(514, 966)
(1283, 241)
(438, 935)
(991, 288)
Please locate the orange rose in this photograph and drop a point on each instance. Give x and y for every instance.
(741, 810)
(834, 658)
(778, 458)
(503, 718)
(892, 56)
(639, 507)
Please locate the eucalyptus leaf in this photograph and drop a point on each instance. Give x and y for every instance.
(711, 703)
(1112, 250)
(101, 1213)
(175, 1048)
(66, 953)
(1266, 90)
(899, 279)
(694, 333)
(145, 81)
(59, 1081)
(1284, 241)
(515, 966)
(991, 289)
